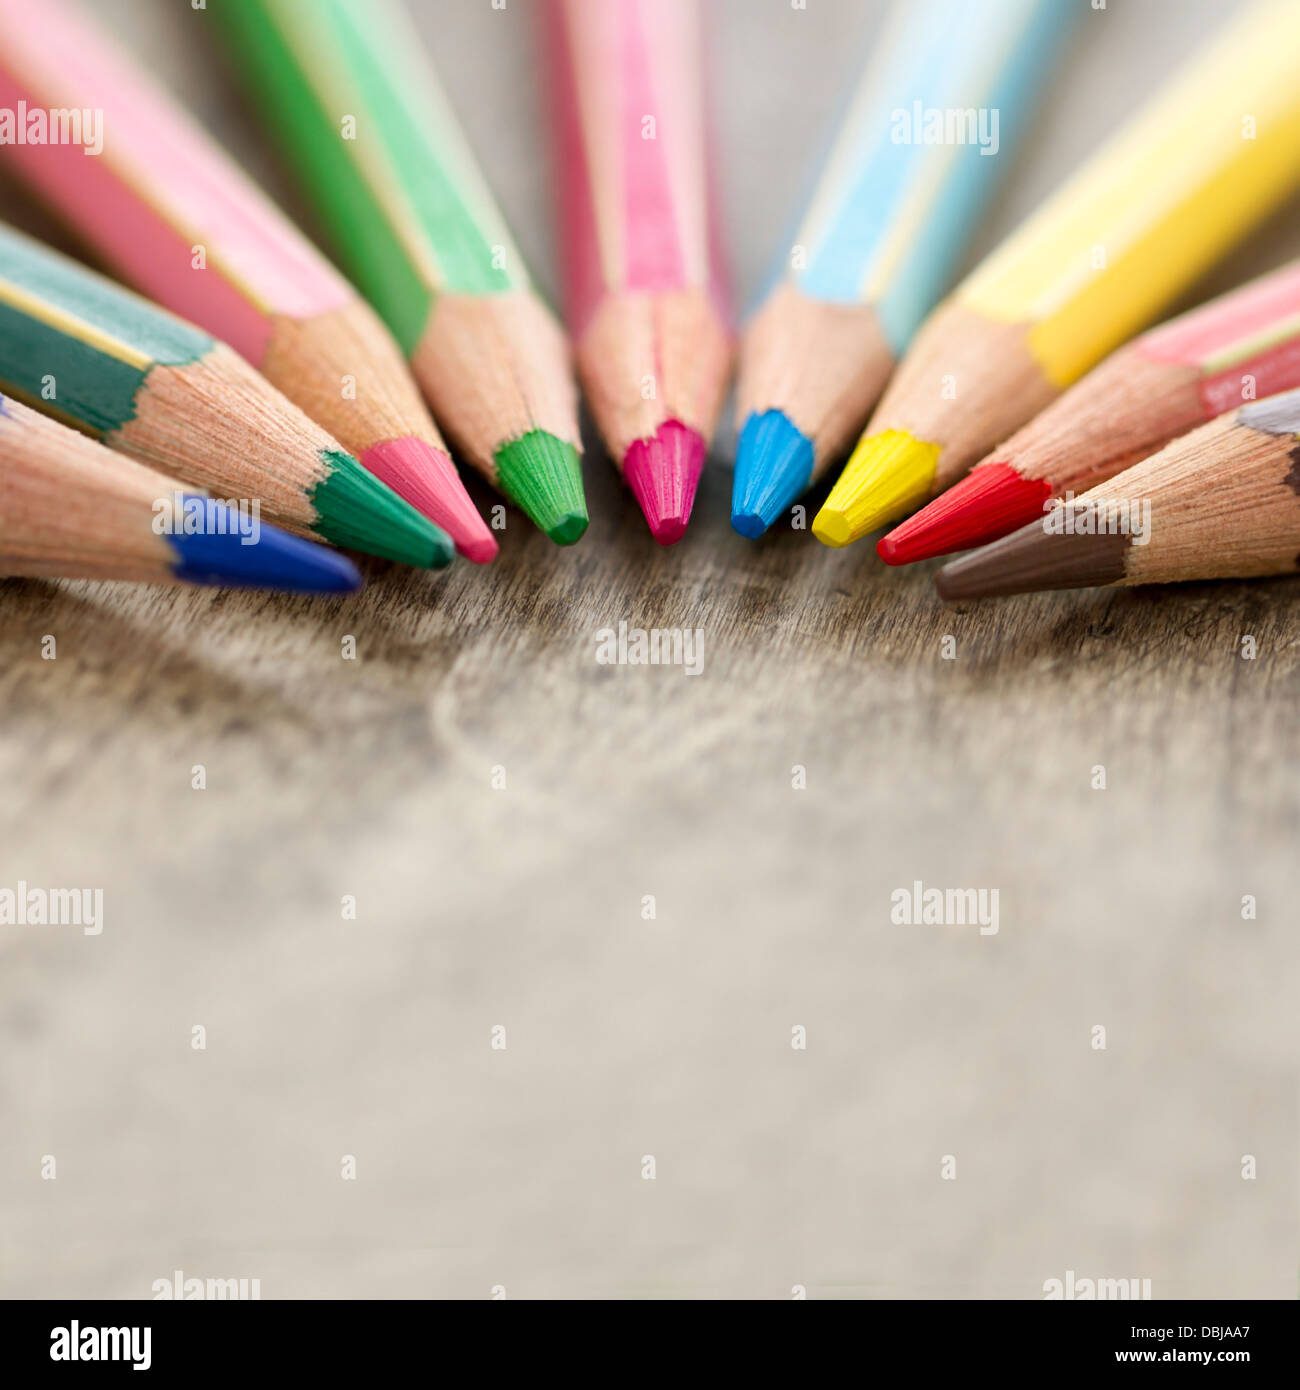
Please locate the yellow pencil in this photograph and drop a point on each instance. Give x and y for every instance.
(1215, 151)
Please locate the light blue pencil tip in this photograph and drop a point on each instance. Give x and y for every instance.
(774, 464)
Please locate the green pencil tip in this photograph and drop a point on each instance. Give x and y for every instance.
(569, 529)
(357, 512)
(542, 474)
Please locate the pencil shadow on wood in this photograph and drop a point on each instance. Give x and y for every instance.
(104, 651)
(1119, 630)
(895, 614)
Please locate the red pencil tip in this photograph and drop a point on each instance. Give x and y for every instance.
(426, 477)
(991, 501)
(663, 473)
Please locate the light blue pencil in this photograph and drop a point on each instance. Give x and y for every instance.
(949, 88)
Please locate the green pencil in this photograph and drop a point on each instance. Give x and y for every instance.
(80, 348)
(364, 121)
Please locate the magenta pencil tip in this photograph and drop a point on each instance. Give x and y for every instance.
(663, 473)
(426, 477)
(668, 530)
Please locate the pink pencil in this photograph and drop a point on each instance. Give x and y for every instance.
(172, 214)
(644, 286)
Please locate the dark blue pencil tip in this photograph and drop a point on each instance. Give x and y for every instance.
(774, 464)
(275, 560)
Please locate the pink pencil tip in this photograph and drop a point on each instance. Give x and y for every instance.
(478, 550)
(425, 476)
(663, 473)
(668, 530)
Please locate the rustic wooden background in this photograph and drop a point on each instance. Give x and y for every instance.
(522, 907)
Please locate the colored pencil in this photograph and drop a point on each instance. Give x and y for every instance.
(360, 113)
(73, 509)
(647, 306)
(902, 192)
(1241, 346)
(1222, 502)
(1215, 151)
(80, 347)
(173, 215)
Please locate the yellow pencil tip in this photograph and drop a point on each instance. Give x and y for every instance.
(831, 528)
(888, 476)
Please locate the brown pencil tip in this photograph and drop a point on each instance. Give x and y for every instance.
(1036, 558)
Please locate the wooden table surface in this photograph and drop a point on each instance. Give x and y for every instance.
(522, 906)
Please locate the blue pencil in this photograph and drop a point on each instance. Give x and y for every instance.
(950, 87)
(74, 509)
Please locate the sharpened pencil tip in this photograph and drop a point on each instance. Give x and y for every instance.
(1039, 556)
(569, 528)
(774, 465)
(274, 560)
(425, 476)
(479, 552)
(991, 501)
(887, 475)
(663, 473)
(832, 528)
(358, 512)
(542, 474)
(748, 524)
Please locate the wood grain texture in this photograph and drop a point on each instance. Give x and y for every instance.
(522, 907)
